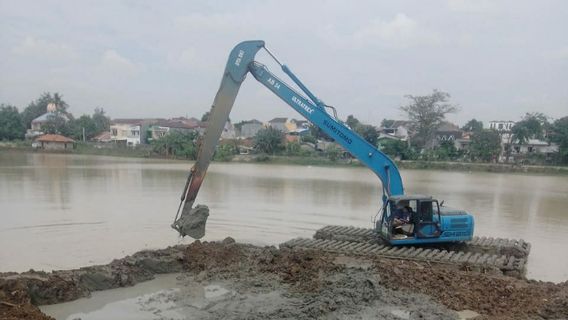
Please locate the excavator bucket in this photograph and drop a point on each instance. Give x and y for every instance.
(192, 221)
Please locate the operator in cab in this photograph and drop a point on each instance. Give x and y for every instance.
(402, 219)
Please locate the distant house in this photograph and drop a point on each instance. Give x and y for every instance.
(398, 130)
(447, 132)
(53, 142)
(130, 132)
(535, 146)
(287, 125)
(228, 131)
(102, 137)
(162, 127)
(250, 128)
(39, 122)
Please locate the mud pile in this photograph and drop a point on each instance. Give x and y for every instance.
(271, 283)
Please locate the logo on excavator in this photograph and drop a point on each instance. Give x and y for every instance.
(239, 58)
(303, 105)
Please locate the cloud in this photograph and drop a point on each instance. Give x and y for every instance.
(33, 47)
(399, 32)
(114, 62)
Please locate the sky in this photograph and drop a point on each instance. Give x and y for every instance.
(497, 59)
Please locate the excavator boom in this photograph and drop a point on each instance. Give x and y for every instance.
(241, 61)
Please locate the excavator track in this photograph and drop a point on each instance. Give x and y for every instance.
(481, 262)
(484, 245)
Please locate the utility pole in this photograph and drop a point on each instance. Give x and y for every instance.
(83, 134)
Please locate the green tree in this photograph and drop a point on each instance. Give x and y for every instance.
(352, 122)
(177, 144)
(269, 140)
(387, 123)
(318, 133)
(369, 133)
(76, 126)
(293, 148)
(559, 135)
(427, 113)
(205, 116)
(101, 121)
(532, 126)
(396, 149)
(225, 152)
(446, 151)
(57, 123)
(333, 152)
(473, 125)
(39, 106)
(485, 145)
(11, 126)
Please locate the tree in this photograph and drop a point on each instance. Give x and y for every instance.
(57, 124)
(84, 122)
(38, 107)
(485, 145)
(369, 133)
(387, 123)
(269, 140)
(532, 126)
(177, 144)
(352, 122)
(397, 149)
(427, 113)
(333, 152)
(101, 121)
(11, 126)
(318, 133)
(205, 116)
(559, 135)
(473, 125)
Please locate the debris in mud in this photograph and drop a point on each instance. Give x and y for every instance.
(270, 283)
(192, 222)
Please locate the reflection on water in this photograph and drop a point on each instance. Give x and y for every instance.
(66, 211)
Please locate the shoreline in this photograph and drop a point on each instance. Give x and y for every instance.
(311, 161)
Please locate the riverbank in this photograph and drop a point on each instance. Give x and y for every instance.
(146, 152)
(272, 283)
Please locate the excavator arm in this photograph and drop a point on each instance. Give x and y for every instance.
(241, 61)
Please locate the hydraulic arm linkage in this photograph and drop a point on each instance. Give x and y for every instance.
(241, 61)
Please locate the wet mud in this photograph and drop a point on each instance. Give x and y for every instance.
(192, 222)
(228, 280)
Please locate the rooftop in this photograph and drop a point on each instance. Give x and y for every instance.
(278, 120)
(54, 138)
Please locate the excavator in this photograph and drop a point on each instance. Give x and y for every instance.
(413, 227)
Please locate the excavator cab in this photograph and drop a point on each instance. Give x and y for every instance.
(417, 219)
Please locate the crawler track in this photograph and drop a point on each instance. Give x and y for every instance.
(475, 261)
(494, 246)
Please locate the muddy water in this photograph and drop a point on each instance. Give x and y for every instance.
(67, 211)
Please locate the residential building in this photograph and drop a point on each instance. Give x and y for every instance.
(162, 127)
(448, 132)
(102, 137)
(284, 124)
(250, 128)
(53, 142)
(130, 132)
(228, 131)
(535, 146)
(504, 128)
(279, 124)
(39, 122)
(399, 130)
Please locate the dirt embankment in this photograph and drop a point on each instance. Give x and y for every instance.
(269, 283)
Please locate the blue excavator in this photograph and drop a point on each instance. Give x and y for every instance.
(403, 220)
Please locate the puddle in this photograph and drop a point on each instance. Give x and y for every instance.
(162, 298)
